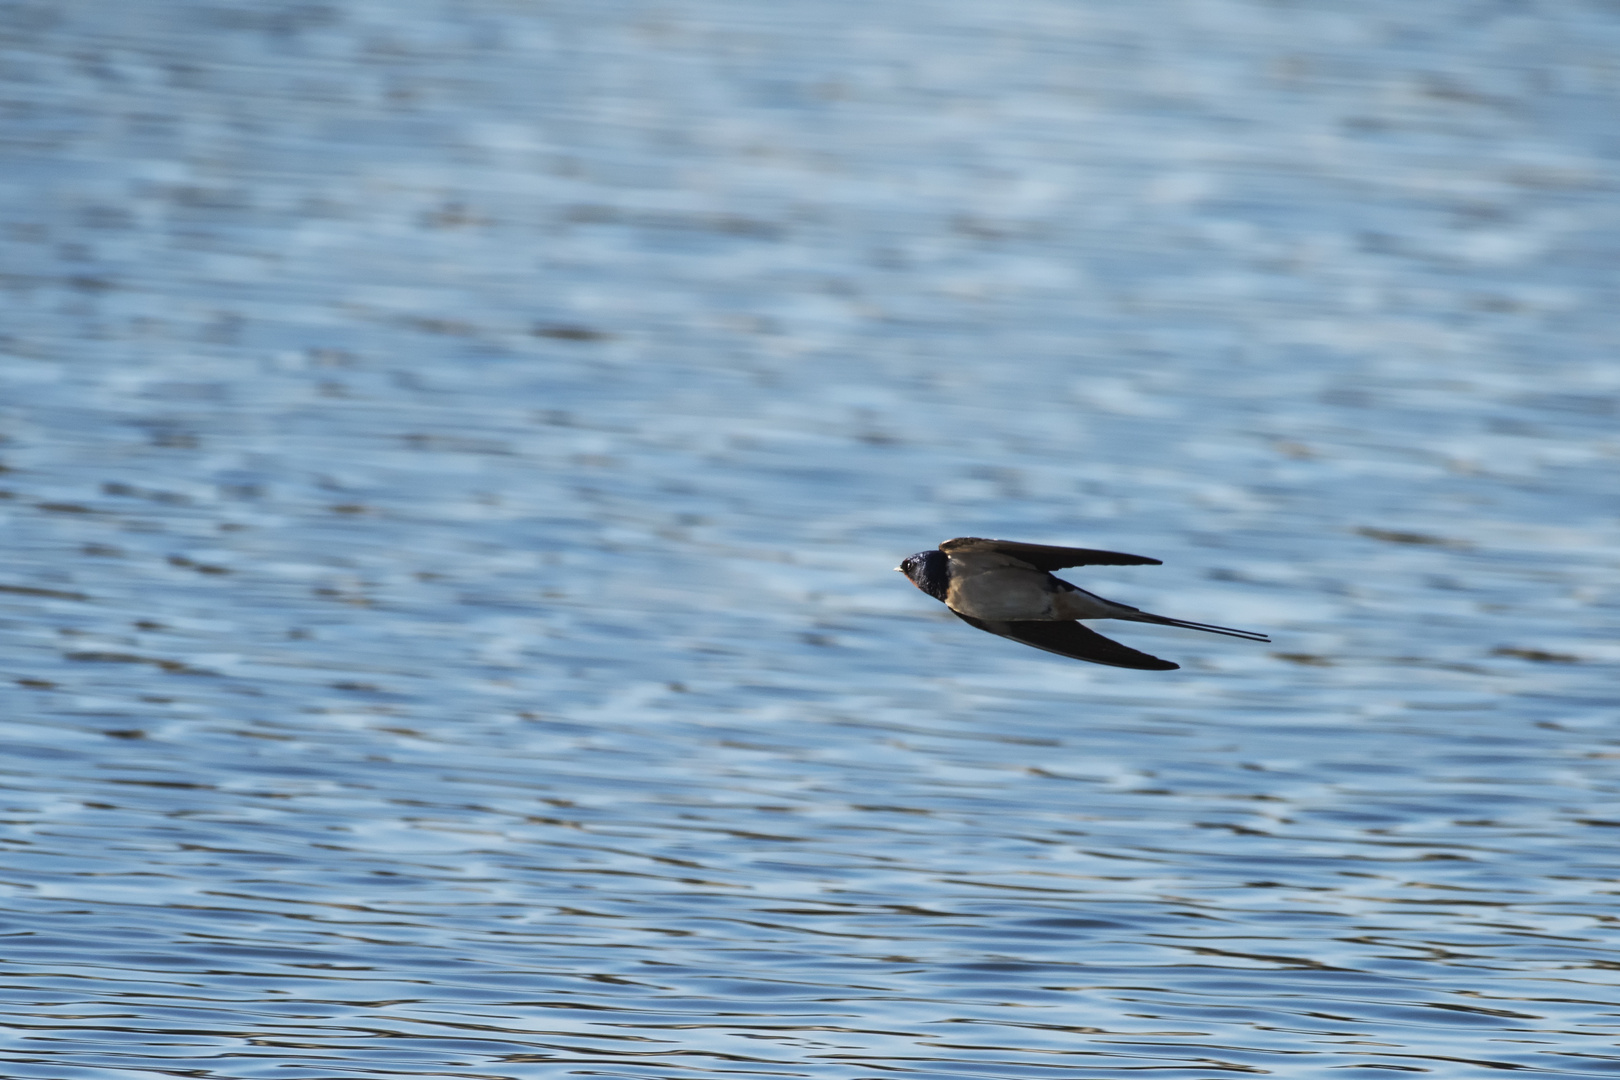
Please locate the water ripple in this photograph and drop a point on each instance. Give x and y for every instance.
(452, 457)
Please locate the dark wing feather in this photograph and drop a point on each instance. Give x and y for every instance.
(1045, 556)
(1072, 640)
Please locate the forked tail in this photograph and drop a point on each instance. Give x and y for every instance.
(1246, 635)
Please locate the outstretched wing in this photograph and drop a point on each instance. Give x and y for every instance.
(1072, 640)
(1045, 556)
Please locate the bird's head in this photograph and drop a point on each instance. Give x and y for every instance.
(930, 571)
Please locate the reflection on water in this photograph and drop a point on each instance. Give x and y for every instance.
(455, 456)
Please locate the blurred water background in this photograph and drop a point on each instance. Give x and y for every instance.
(455, 453)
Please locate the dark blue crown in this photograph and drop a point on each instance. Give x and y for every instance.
(930, 571)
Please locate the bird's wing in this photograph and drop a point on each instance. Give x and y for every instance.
(1072, 640)
(1044, 556)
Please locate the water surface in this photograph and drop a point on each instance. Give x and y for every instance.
(455, 454)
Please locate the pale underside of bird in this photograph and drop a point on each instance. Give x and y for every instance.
(1006, 587)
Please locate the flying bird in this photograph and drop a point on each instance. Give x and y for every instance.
(1005, 587)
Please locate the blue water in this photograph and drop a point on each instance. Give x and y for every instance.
(455, 454)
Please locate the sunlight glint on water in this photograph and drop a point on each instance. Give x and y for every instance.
(455, 453)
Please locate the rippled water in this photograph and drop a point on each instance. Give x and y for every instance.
(455, 453)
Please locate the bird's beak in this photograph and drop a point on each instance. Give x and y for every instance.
(898, 569)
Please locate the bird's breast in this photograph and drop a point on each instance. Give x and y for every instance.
(1002, 594)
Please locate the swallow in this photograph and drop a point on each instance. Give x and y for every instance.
(1005, 587)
